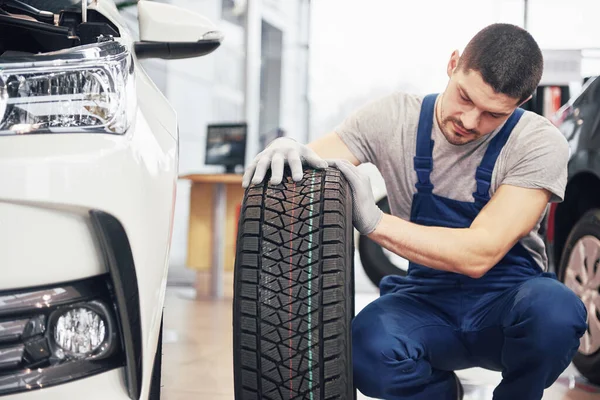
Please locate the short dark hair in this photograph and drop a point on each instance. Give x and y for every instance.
(508, 59)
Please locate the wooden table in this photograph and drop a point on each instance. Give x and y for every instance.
(214, 207)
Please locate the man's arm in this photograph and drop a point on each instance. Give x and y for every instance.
(509, 216)
(362, 139)
(332, 146)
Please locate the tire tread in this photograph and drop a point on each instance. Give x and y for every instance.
(271, 289)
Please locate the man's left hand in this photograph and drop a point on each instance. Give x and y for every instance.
(365, 213)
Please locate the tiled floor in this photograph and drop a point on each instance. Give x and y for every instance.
(197, 360)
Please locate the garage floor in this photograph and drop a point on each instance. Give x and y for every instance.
(197, 353)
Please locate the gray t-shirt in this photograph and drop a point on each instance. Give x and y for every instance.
(383, 132)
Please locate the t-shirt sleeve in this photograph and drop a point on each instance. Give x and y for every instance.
(540, 161)
(364, 130)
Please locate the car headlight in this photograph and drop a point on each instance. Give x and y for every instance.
(83, 89)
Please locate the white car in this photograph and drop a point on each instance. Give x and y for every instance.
(88, 170)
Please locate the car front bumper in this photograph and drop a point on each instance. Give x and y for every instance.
(54, 192)
(108, 385)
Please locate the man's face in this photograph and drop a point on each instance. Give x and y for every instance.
(469, 108)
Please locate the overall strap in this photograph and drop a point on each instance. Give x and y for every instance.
(423, 161)
(483, 175)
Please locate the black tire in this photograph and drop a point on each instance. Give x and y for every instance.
(372, 257)
(294, 290)
(156, 384)
(588, 225)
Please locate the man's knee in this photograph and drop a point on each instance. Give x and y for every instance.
(551, 316)
(383, 362)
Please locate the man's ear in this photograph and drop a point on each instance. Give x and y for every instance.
(453, 63)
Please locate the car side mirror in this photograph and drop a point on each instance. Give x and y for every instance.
(170, 32)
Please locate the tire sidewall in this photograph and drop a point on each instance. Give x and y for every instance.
(588, 224)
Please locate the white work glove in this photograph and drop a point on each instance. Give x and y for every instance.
(280, 152)
(365, 213)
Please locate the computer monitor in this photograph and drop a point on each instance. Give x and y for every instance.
(226, 145)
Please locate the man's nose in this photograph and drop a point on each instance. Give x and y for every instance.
(470, 119)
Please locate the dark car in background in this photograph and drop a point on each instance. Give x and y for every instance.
(573, 226)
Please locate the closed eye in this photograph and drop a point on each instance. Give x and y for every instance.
(464, 97)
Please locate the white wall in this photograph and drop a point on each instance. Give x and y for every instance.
(211, 89)
(202, 90)
(565, 24)
(288, 16)
(361, 50)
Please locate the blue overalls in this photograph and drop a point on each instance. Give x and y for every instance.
(515, 319)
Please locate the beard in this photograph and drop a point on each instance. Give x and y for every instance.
(453, 136)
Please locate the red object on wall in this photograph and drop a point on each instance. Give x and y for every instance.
(556, 98)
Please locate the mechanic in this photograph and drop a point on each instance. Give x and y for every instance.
(469, 176)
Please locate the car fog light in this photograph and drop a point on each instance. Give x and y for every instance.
(80, 331)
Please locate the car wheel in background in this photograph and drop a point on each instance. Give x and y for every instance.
(580, 271)
(294, 290)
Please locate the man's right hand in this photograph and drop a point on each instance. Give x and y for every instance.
(280, 152)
